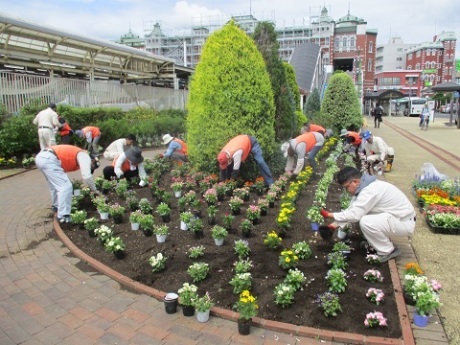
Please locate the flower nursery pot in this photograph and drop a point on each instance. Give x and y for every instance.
(118, 218)
(171, 302)
(77, 192)
(220, 197)
(212, 221)
(219, 241)
(263, 212)
(161, 238)
(147, 232)
(166, 218)
(202, 316)
(341, 234)
(183, 226)
(244, 326)
(314, 226)
(178, 194)
(325, 232)
(236, 212)
(119, 254)
(91, 233)
(134, 226)
(420, 320)
(199, 234)
(271, 204)
(104, 215)
(255, 221)
(188, 310)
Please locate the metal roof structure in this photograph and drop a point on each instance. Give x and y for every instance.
(40, 49)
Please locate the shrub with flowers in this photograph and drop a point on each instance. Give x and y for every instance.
(246, 227)
(136, 216)
(91, 224)
(235, 203)
(227, 221)
(210, 196)
(330, 303)
(198, 271)
(114, 244)
(78, 217)
(373, 276)
(284, 295)
(103, 233)
(302, 249)
(243, 266)
(187, 294)
(220, 188)
(177, 186)
(195, 252)
(336, 280)
(241, 281)
(263, 204)
(284, 216)
(288, 259)
(295, 278)
(157, 262)
(337, 260)
(314, 214)
(272, 240)
(253, 212)
(375, 295)
(375, 319)
(246, 305)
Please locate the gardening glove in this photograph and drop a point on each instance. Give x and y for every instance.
(332, 226)
(325, 213)
(161, 155)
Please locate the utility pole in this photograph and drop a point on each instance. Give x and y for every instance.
(359, 80)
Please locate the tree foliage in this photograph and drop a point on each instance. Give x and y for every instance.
(292, 81)
(230, 94)
(340, 107)
(313, 105)
(285, 118)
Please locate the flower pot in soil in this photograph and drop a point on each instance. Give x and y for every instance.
(263, 212)
(161, 238)
(202, 316)
(118, 218)
(325, 232)
(212, 221)
(178, 194)
(408, 298)
(81, 226)
(134, 226)
(188, 310)
(420, 320)
(271, 204)
(197, 213)
(219, 241)
(76, 192)
(104, 215)
(244, 326)
(255, 221)
(314, 226)
(171, 302)
(236, 211)
(198, 234)
(220, 197)
(147, 232)
(183, 226)
(91, 233)
(246, 233)
(341, 234)
(119, 254)
(166, 218)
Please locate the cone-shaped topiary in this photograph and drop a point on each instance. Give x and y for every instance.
(230, 94)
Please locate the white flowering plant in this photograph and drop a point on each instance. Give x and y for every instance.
(284, 295)
(157, 262)
(373, 259)
(195, 252)
(242, 248)
(295, 278)
(241, 282)
(114, 244)
(198, 271)
(302, 249)
(103, 233)
(187, 293)
(242, 266)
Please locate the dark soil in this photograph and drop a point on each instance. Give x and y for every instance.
(266, 273)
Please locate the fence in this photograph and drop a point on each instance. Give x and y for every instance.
(18, 90)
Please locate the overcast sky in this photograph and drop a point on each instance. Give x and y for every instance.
(414, 21)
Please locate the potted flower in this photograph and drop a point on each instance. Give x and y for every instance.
(343, 248)
(235, 205)
(284, 294)
(116, 212)
(272, 240)
(182, 203)
(198, 271)
(374, 295)
(145, 206)
(263, 204)
(79, 217)
(373, 276)
(241, 282)
(271, 197)
(253, 213)
(259, 186)
(330, 303)
(242, 193)
(185, 218)
(91, 224)
(157, 262)
(116, 246)
(146, 223)
(196, 252)
(161, 231)
(220, 190)
(103, 209)
(247, 308)
(210, 196)
(288, 259)
(133, 202)
(230, 186)
(336, 280)
(187, 294)
(177, 188)
(76, 185)
(103, 233)
(242, 249)
(243, 266)
(212, 211)
(196, 206)
(196, 225)
(246, 227)
(203, 306)
(164, 211)
(315, 217)
(219, 233)
(135, 219)
(227, 221)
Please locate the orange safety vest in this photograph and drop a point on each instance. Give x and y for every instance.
(184, 150)
(308, 138)
(124, 166)
(317, 128)
(67, 154)
(358, 139)
(95, 132)
(240, 142)
(65, 130)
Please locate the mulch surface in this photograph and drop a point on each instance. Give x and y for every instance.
(266, 272)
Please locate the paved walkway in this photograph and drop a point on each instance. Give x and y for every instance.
(49, 296)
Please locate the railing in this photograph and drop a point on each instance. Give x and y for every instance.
(18, 90)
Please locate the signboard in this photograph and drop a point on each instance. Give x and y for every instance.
(457, 65)
(430, 70)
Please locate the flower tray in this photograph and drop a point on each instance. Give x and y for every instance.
(442, 230)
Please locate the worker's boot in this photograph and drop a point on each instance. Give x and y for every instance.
(389, 163)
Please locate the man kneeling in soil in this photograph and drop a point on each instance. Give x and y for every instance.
(381, 209)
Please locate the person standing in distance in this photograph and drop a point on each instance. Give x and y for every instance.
(47, 120)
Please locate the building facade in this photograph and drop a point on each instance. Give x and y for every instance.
(391, 56)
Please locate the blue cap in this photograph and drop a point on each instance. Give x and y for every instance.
(366, 135)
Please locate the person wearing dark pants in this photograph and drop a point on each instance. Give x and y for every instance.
(127, 165)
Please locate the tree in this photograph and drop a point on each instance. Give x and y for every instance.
(230, 94)
(313, 105)
(340, 107)
(285, 118)
(290, 75)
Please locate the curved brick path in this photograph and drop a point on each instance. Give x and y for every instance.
(49, 296)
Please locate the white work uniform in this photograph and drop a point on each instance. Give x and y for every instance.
(46, 120)
(379, 148)
(58, 181)
(121, 159)
(115, 149)
(382, 210)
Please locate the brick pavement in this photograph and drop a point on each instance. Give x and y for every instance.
(50, 296)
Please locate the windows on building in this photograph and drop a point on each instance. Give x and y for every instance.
(371, 47)
(369, 65)
(417, 66)
(344, 42)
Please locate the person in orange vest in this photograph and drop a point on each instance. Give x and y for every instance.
(65, 131)
(127, 165)
(353, 141)
(54, 162)
(177, 149)
(237, 151)
(92, 135)
(310, 127)
(306, 145)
